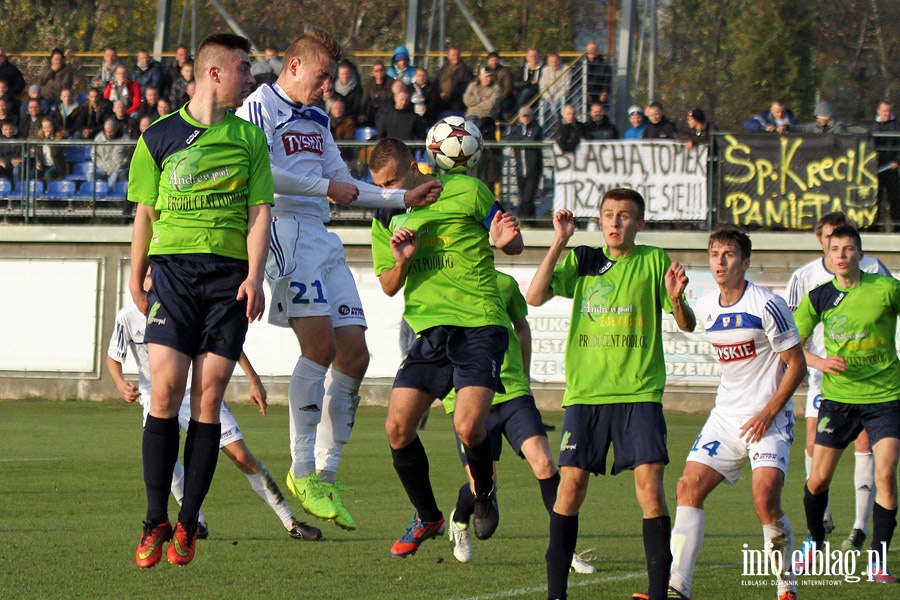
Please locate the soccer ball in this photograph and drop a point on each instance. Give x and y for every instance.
(454, 144)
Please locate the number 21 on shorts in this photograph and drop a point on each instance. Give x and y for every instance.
(301, 289)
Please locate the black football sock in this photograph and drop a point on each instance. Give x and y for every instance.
(657, 532)
(465, 504)
(481, 465)
(411, 464)
(159, 451)
(884, 522)
(201, 454)
(815, 506)
(548, 491)
(563, 537)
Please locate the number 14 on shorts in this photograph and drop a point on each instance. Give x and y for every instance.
(712, 448)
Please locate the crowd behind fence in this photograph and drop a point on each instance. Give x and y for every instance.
(754, 181)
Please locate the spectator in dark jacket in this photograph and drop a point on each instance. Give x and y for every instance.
(147, 72)
(529, 161)
(570, 132)
(888, 163)
(11, 74)
(56, 76)
(401, 121)
(658, 126)
(698, 128)
(376, 95)
(451, 81)
(598, 126)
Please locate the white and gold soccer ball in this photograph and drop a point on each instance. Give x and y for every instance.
(454, 144)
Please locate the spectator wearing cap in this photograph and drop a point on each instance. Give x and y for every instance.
(56, 76)
(401, 68)
(698, 128)
(11, 74)
(826, 121)
(570, 131)
(529, 161)
(482, 97)
(503, 79)
(34, 93)
(638, 123)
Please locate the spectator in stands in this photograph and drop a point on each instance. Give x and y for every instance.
(173, 70)
(178, 92)
(13, 103)
(422, 92)
(598, 125)
(144, 122)
(376, 95)
(190, 89)
(125, 89)
(888, 163)
(658, 126)
(594, 73)
(552, 87)
(527, 87)
(30, 125)
(92, 114)
(503, 79)
(34, 93)
(400, 67)
(400, 121)
(6, 114)
(348, 90)
(698, 128)
(148, 104)
(342, 128)
(638, 124)
(147, 72)
(268, 68)
(482, 97)
(10, 154)
(49, 160)
(451, 81)
(65, 112)
(127, 125)
(529, 161)
(826, 121)
(111, 160)
(163, 107)
(570, 131)
(778, 119)
(107, 68)
(10, 73)
(56, 76)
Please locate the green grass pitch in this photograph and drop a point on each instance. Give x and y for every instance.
(72, 500)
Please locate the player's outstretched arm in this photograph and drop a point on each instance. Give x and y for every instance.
(423, 195)
(258, 238)
(506, 234)
(676, 283)
(128, 390)
(757, 426)
(403, 246)
(539, 291)
(258, 392)
(144, 217)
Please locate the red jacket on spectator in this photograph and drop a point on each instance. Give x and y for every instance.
(134, 96)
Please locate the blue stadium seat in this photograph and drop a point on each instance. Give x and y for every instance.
(87, 191)
(61, 189)
(364, 134)
(77, 154)
(5, 188)
(119, 190)
(35, 187)
(80, 170)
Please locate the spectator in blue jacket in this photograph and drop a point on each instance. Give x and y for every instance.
(778, 119)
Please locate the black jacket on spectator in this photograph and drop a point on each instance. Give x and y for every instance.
(91, 118)
(604, 130)
(569, 135)
(401, 124)
(665, 129)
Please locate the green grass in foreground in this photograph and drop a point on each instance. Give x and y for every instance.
(72, 500)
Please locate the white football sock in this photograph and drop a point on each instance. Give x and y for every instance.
(687, 536)
(338, 415)
(780, 535)
(305, 392)
(864, 480)
(264, 485)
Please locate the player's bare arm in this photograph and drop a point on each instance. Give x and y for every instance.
(423, 195)
(404, 243)
(539, 291)
(342, 193)
(676, 283)
(128, 390)
(523, 332)
(258, 392)
(506, 234)
(757, 426)
(833, 365)
(258, 238)
(144, 217)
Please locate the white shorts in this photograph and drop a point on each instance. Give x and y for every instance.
(813, 394)
(308, 275)
(230, 430)
(720, 447)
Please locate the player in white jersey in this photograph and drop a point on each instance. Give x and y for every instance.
(313, 291)
(762, 363)
(128, 334)
(802, 281)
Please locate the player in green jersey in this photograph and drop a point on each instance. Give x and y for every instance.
(860, 386)
(615, 374)
(203, 184)
(440, 255)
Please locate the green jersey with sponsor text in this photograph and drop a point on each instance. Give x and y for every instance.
(860, 325)
(614, 351)
(451, 280)
(202, 179)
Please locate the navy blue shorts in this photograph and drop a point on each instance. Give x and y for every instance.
(193, 307)
(448, 357)
(517, 419)
(636, 431)
(841, 423)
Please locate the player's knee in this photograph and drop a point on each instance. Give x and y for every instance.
(399, 436)
(322, 352)
(886, 478)
(686, 492)
(470, 434)
(543, 466)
